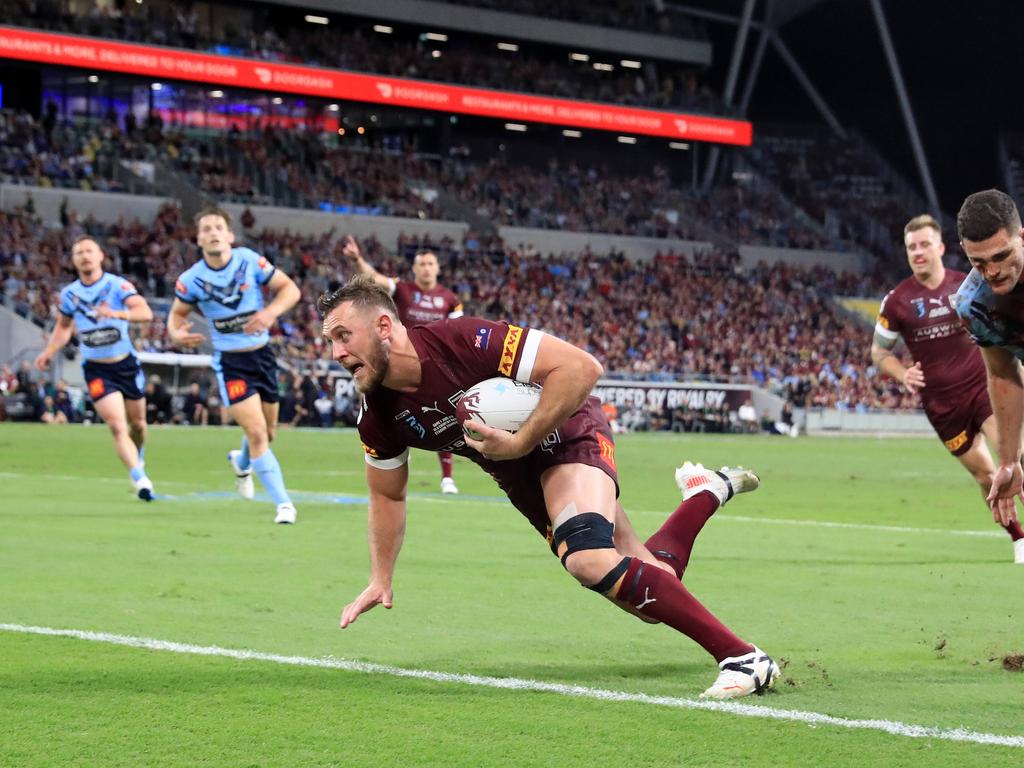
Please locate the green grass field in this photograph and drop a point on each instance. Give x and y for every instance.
(874, 621)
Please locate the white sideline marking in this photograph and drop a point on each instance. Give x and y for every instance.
(511, 683)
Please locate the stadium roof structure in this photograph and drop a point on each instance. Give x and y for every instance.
(773, 15)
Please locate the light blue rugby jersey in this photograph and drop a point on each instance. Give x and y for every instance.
(102, 337)
(228, 297)
(992, 320)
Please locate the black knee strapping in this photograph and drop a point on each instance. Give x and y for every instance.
(612, 576)
(587, 530)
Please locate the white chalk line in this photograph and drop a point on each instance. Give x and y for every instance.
(437, 498)
(891, 727)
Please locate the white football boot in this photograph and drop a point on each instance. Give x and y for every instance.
(243, 477)
(1018, 551)
(724, 483)
(753, 672)
(448, 485)
(285, 514)
(143, 488)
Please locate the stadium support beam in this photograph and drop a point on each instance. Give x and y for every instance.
(730, 83)
(805, 83)
(755, 67)
(905, 108)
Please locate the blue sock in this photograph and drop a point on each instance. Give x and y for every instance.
(142, 453)
(243, 457)
(269, 472)
(137, 473)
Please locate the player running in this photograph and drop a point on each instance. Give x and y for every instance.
(948, 371)
(225, 286)
(558, 469)
(991, 304)
(422, 301)
(100, 305)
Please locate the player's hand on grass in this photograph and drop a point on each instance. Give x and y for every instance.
(259, 322)
(1006, 488)
(913, 379)
(374, 595)
(182, 336)
(494, 444)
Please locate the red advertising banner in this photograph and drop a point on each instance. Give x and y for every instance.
(230, 71)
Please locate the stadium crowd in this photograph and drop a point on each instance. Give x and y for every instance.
(303, 169)
(352, 44)
(703, 317)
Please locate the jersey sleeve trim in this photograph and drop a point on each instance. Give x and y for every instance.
(456, 313)
(397, 462)
(885, 333)
(531, 345)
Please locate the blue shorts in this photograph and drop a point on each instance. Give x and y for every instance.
(242, 374)
(124, 376)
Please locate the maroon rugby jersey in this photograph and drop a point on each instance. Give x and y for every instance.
(417, 306)
(454, 355)
(933, 333)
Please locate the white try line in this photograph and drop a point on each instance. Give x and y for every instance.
(892, 727)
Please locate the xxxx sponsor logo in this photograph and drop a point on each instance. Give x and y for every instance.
(509, 349)
(369, 451)
(957, 442)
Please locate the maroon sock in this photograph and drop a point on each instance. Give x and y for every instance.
(673, 542)
(654, 593)
(445, 458)
(1015, 531)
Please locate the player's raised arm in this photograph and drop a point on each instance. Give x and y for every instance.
(179, 327)
(354, 253)
(1006, 392)
(386, 533)
(58, 340)
(567, 374)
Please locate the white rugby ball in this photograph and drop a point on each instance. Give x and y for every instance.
(499, 402)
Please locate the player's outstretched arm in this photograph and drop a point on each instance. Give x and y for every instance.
(1006, 392)
(58, 340)
(567, 374)
(179, 327)
(386, 533)
(286, 295)
(354, 253)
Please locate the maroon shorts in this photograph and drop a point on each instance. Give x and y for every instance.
(958, 419)
(586, 438)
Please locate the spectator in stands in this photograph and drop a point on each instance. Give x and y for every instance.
(159, 408)
(195, 408)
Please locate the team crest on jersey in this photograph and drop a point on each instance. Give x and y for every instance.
(919, 306)
(229, 295)
(87, 308)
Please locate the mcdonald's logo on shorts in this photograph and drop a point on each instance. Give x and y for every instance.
(236, 388)
(607, 450)
(957, 442)
(96, 388)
